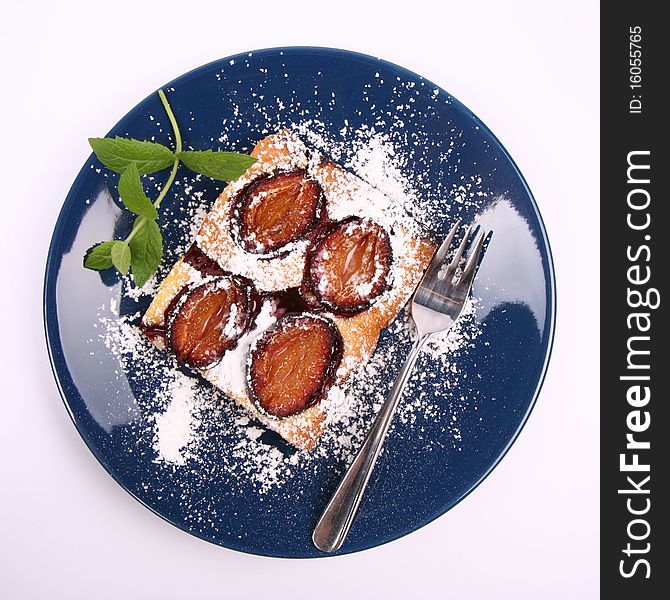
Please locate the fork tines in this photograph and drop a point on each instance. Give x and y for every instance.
(438, 262)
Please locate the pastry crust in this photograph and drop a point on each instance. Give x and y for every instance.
(345, 195)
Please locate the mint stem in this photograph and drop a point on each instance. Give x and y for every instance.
(175, 165)
(177, 137)
(173, 121)
(168, 183)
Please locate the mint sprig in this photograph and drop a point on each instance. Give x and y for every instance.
(99, 257)
(141, 251)
(146, 247)
(132, 193)
(119, 153)
(225, 166)
(120, 255)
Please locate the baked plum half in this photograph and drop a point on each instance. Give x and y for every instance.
(349, 265)
(207, 319)
(292, 365)
(275, 211)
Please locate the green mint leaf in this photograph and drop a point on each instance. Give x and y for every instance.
(225, 166)
(121, 257)
(146, 247)
(132, 194)
(99, 257)
(117, 153)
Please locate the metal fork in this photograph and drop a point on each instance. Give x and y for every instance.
(435, 306)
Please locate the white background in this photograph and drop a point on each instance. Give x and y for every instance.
(72, 69)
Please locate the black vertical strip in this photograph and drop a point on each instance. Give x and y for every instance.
(635, 430)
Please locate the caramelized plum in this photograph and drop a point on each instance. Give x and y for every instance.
(206, 320)
(291, 365)
(275, 211)
(348, 266)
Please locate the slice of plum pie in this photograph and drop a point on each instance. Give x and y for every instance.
(293, 274)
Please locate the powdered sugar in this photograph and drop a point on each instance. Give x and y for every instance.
(175, 428)
(229, 372)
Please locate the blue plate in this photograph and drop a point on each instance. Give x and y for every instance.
(462, 171)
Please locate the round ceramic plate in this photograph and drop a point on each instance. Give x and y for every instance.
(230, 483)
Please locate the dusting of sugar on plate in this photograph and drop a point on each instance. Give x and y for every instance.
(190, 425)
(175, 427)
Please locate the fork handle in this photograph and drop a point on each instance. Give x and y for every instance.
(336, 520)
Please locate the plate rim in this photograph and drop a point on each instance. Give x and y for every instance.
(49, 300)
